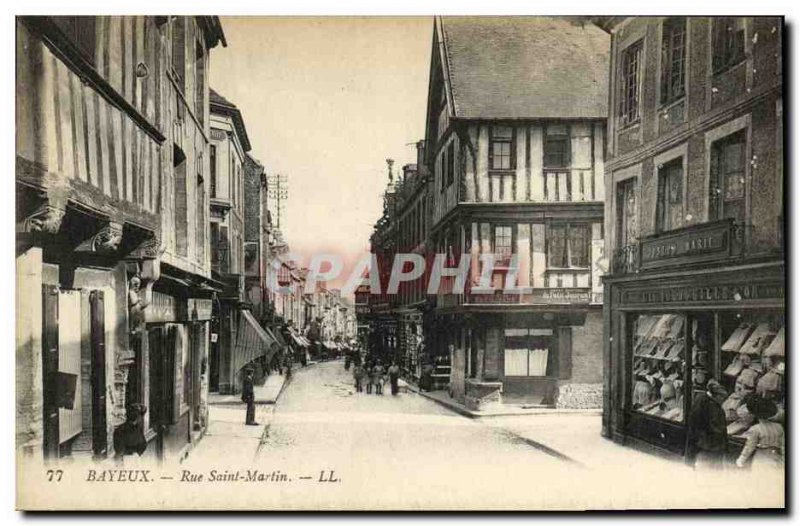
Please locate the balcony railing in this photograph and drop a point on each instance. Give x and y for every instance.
(707, 242)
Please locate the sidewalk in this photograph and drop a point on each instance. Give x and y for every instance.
(573, 435)
(267, 393)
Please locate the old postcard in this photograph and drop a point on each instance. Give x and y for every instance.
(400, 263)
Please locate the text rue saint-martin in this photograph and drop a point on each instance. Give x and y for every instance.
(214, 475)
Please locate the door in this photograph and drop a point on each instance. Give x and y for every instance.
(98, 375)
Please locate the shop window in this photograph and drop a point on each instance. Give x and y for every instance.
(727, 181)
(530, 352)
(626, 213)
(501, 148)
(728, 42)
(673, 59)
(630, 88)
(659, 350)
(568, 245)
(669, 207)
(752, 354)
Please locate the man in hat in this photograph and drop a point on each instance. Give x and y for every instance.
(249, 398)
(707, 428)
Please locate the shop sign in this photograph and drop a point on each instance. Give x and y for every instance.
(200, 309)
(705, 294)
(163, 308)
(709, 242)
(535, 296)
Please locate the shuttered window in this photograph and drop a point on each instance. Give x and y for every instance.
(669, 213)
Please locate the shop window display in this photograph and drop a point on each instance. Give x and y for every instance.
(752, 355)
(659, 349)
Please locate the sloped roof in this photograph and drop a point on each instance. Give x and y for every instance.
(222, 106)
(526, 67)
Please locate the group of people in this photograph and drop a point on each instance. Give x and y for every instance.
(374, 375)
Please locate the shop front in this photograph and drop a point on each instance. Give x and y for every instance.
(670, 329)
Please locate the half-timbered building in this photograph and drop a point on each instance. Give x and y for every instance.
(514, 144)
(113, 269)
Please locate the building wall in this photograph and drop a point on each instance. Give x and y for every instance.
(746, 96)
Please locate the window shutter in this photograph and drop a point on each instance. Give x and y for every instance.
(491, 149)
(564, 353)
(171, 399)
(50, 370)
(513, 163)
(714, 195)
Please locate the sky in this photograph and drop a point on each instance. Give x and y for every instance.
(326, 101)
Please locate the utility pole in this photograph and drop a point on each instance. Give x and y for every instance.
(278, 189)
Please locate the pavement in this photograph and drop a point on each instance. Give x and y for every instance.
(333, 448)
(266, 393)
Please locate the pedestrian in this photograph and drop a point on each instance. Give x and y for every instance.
(707, 429)
(358, 376)
(766, 442)
(378, 377)
(394, 376)
(426, 378)
(288, 365)
(347, 360)
(249, 398)
(367, 377)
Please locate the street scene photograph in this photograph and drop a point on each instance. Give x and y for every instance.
(400, 263)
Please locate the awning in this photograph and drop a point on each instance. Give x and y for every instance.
(299, 340)
(252, 341)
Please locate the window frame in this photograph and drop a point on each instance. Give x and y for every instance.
(665, 170)
(510, 141)
(717, 179)
(566, 140)
(629, 112)
(727, 53)
(670, 91)
(621, 226)
(569, 227)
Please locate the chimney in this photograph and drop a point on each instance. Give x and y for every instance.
(421, 157)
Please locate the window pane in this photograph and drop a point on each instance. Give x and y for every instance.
(537, 362)
(658, 365)
(557, 246)
(579, 245)
(516, 359)
(501, 155)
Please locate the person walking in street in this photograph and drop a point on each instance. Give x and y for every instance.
(358, 376)
(367, 377)
(394, 377)
(378, 373)
(249, 398)
(287, 365)
(707, 429)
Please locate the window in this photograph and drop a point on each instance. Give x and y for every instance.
(629, 84)
(673, 59)
(199, 82)
(179, 51)
(556, 146)
(728, 42)
(568, 245)
(81, 31)
(501, 151)
(669, 206)
(728, 178)
(627, 232)
(181, 205)
(529, 352)
(503, 246)
(212, 154)
(451, 163)
(659, 362)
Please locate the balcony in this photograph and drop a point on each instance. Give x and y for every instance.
(703, 243)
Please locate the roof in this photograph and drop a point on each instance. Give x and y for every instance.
(222, 106)
(525, 67)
